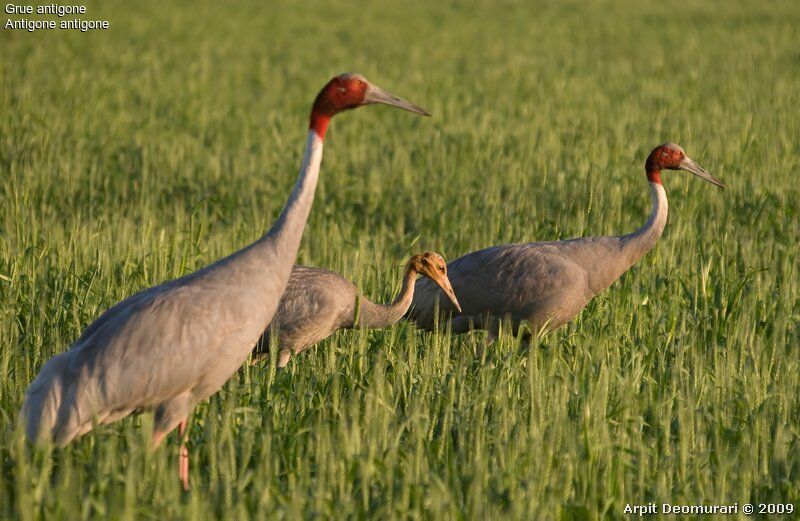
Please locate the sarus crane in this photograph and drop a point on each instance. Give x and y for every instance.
(547, 284)
(173, 345)
(318, 302)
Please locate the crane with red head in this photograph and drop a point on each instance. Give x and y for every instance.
(171, 346)
(547, 284)
(348, 91)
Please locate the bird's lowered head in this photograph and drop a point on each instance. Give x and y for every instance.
(670, 156)
(433, 266)
(349, 91)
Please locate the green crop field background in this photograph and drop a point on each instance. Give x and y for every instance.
(138, 154)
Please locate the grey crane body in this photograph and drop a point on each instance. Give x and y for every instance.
(173, 345)
(544, 284)
(317, 302)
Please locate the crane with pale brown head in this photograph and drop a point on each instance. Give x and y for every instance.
(318, 302)
(547, 284)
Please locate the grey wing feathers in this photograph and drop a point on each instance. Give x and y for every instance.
(543, 282)
(474, 278)
(316, 303)
(501, 280)
(137, 354)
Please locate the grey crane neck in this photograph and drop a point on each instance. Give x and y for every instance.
(638, 243)
(288, 229)
(264, 266)
(278, 247)
(374, 315)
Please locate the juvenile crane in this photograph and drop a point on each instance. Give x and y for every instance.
(547, 284)
(318, 302)
(173, 345)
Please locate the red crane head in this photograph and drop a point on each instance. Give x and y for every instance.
(670, 156)
(349, 91)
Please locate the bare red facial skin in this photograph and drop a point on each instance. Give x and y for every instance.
(341, 93)
(662, 157)
(654, 177)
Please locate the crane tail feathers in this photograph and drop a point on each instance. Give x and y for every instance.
(45, 415)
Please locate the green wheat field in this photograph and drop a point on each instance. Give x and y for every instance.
(138, 154)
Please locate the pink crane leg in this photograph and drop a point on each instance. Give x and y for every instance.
(183, 458)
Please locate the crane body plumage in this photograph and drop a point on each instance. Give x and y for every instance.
(317, 302)
(543, 284)
(173, 345)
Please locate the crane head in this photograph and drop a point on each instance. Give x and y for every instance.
(348, 91)
(670, 156)
(433, 266)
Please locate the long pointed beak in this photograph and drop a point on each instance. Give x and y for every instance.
(690, 166)
(443, 282)
(378, 95)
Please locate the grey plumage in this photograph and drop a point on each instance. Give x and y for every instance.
(318, 302)
(166, 348)
(173, 345)
(546, 284)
